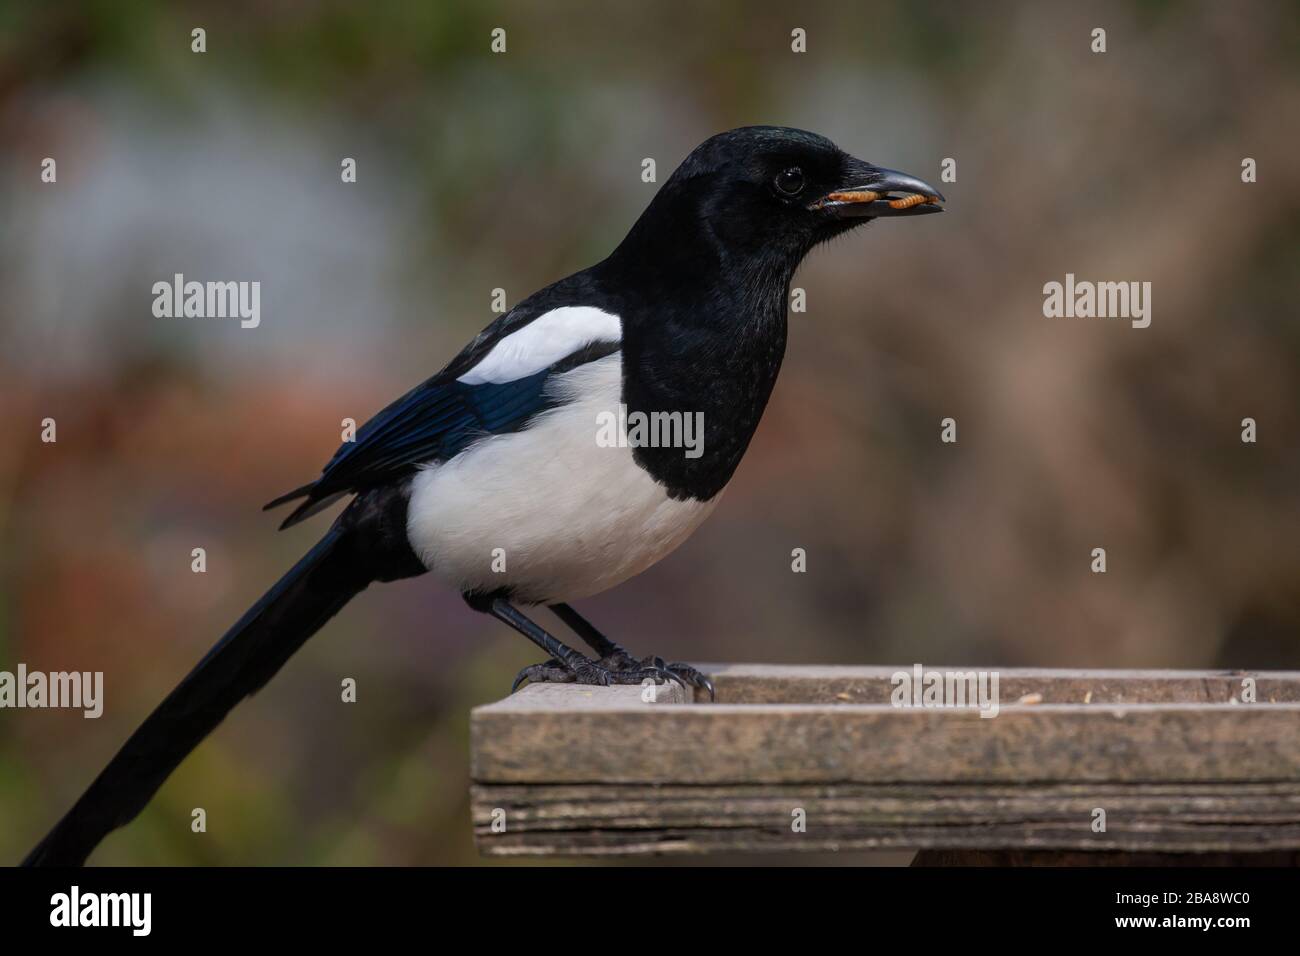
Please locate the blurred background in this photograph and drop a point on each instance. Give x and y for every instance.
(478, 171)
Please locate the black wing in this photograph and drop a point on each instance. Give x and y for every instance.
(435, 421)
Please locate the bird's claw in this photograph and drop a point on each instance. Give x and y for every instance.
(614, 669)
(693, 677)
(548, 672)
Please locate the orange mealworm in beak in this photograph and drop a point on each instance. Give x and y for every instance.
(907, 203)
(860, 196)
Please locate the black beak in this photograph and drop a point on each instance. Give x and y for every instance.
(875, 192)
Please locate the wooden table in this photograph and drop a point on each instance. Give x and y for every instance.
(817, 758)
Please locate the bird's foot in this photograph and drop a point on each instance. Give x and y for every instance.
(618, 667)
(619, 659)
(595, 673)
(685, 674)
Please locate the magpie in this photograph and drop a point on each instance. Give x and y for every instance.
(489, 475)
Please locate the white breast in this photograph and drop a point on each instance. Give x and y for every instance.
(570, 518)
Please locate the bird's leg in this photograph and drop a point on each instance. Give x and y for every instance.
(616, 658)
(566, 664)
(610, 654)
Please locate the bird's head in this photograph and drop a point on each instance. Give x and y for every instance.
(769, 194)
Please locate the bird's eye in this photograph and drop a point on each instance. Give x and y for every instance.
(790, 181)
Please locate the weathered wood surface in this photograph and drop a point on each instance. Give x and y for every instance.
(1174, 763)
(778, 684)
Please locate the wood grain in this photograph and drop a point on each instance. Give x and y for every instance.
(1176, 765)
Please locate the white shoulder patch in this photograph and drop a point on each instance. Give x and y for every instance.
(543, 342)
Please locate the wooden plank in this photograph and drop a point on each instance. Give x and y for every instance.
(627, 741)
(596, 843)
(626, 806)
(600, 820)
(1176, 761)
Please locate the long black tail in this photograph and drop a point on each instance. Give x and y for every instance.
(247, 657)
